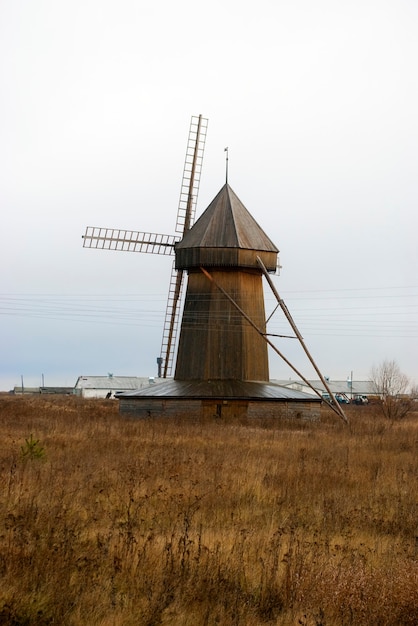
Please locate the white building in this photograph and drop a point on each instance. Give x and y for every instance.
(346, 388)
(107, 386)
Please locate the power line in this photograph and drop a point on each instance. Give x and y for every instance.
(144, 309)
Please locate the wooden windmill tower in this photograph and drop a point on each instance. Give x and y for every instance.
(225, 242)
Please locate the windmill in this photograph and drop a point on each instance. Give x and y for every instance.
(157, 243)
(222, 360)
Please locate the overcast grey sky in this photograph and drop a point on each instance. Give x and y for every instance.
(317, 102)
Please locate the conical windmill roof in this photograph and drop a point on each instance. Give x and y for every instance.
(226, 234)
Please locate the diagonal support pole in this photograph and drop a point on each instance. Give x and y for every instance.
(299, 336)
(270, 343)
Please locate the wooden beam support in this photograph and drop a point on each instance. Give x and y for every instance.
(249, 320)
(299, 336)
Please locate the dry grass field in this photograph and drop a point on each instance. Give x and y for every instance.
(109, 521)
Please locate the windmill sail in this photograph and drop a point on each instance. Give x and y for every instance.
(156, 243)
(128, 240)
(185, 218)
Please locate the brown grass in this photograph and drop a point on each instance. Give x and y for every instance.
(108, 521)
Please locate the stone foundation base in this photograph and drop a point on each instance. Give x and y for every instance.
(225, 409)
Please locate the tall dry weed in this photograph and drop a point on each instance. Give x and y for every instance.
(125, 522)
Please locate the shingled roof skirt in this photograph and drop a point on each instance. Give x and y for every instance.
(225, 235)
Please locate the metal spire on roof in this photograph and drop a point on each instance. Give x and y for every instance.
(226, 165)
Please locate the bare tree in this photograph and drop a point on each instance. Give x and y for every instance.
(391, 385)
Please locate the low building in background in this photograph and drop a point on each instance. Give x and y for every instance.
(345, 391)
(18, 390)
(107, 386)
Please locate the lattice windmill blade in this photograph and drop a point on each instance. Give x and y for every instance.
(156, 243)
(129, 240)
(185, 218)
(191, 174)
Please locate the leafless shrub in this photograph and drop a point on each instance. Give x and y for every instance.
(391, 385)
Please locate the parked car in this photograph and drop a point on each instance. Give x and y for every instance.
(360, 400)
(340, 398)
